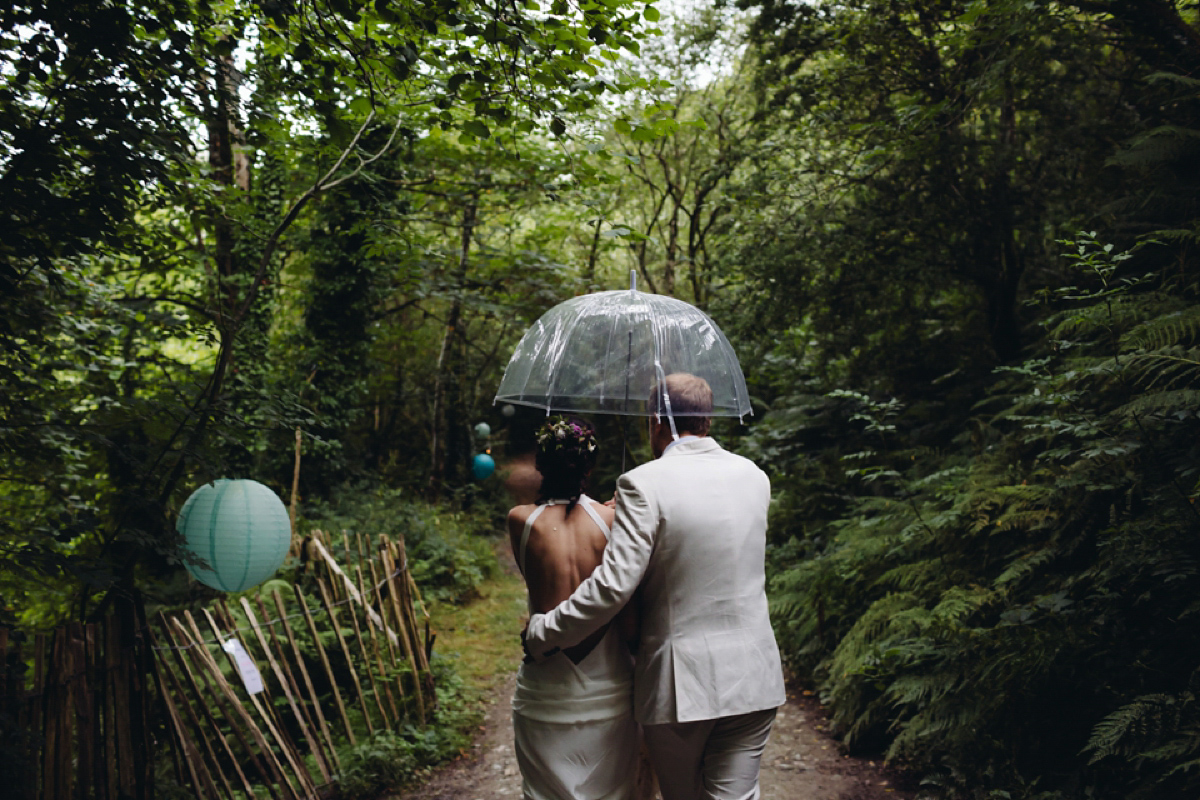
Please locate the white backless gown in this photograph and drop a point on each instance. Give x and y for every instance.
(573, 724)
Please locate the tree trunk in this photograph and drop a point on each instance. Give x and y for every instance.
(437, 460)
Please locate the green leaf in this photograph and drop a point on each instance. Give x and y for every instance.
(651, 14)
(476, 128)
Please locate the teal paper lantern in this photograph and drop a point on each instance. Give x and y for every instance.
(483, 430)
(483, 466)
(240, 528)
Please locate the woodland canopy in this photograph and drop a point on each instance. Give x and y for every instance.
(956, 245)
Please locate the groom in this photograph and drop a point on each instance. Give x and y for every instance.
(690, 530)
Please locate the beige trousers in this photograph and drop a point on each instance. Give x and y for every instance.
(714, 759)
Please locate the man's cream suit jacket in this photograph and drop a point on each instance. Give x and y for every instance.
(690, 529)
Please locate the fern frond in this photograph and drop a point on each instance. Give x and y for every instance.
(1156, 147)
(1179, 235)
(1186, 81)
(1179, 403)
(960, 602)
(1120, 313)
(1177, 328)
(1032, 520)
(1167, 368)
(908, 577)
(1025, 566)
(1134, 727)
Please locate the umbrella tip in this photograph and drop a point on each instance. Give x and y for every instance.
(633, 280)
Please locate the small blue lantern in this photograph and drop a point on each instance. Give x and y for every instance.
(240, 528)
(483, 466)
(483, 430)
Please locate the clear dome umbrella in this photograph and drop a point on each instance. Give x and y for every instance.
(604, 353)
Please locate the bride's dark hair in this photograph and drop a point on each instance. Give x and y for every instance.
(566, 453)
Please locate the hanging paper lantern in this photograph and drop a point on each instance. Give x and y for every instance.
(483, 430)
(240, 528)
(483, 466)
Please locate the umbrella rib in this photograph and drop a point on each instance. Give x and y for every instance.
(608, 350)
(666, 395)
(529, 373)
(734, 368)
(554, 371)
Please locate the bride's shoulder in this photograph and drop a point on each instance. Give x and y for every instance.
(520, 513)
(605, 511)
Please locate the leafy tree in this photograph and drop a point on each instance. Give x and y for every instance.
(162, 160)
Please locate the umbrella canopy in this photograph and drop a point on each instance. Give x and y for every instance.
(603, 353)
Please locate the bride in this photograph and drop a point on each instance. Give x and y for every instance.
(573, 724)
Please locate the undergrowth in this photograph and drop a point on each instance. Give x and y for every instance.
(1008, 602)
(391, 759)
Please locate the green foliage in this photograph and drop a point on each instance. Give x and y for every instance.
(213, 240)
(1024, 599)
(450, 553)
(389, 760)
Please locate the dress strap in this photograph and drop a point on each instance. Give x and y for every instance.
(525, 535)
(587, 502)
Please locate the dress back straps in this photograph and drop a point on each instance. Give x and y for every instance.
(590, 508)
(525, 535)
(585, 503)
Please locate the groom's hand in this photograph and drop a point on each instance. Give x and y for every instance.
(531, 657)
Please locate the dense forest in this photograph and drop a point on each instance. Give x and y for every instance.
(955, 244)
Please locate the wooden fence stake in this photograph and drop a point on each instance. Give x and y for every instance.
(313, 746)
(320, 553)
(191, 756)
(218, 678)
(199, 728)
(201, 689)
(337, 630)
(297, 689)
(56, 765)
(390, 568)
(271, 734)
(366, 661)
(388, 639)
(112, 640)
(383, 674)
(126, 768)
(266, 712)
(312, 692)
(205, 686)
(337, 695)
(36, 716)
(404, 583)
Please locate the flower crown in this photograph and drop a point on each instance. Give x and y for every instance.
(561, 436)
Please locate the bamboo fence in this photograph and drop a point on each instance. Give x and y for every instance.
(81, 711)
(346, 658)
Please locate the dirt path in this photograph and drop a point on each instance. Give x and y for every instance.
(801, 761)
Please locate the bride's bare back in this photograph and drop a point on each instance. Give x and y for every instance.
(561, 552)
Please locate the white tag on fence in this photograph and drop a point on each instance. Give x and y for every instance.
(251, 677)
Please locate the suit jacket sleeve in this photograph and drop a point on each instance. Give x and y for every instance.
(599, 598)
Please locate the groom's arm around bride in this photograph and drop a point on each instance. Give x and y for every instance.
(690, 530)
